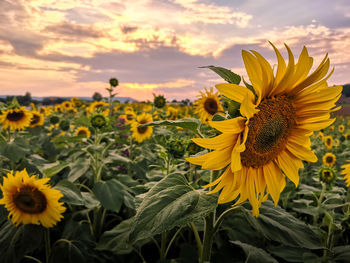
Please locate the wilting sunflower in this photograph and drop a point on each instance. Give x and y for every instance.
(270, 139)
(328, 142)
(30, 200)
(82, 131)
(37, 119)
(327, 174)
(208, 105)
(346, 173)
(141, 133)
(341, 128)
(329, 159)
(16, 119)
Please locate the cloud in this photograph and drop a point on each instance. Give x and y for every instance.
(76, 31)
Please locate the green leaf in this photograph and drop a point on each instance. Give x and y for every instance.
(255, 254)
(171, 202)
(15, 150)
(71, 193)
(78, 168)
(341, 253)
(226, 74)
(290, 254)
(67, 251)
(187, 123)
(51, 169)
(90, 200)
(110, 193)
(116, 240)
(276, 224)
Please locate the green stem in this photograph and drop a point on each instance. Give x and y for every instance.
(32, 258)
(319, 203)
(47, 244)
(221, 217)
(163, 246)
(171, 242)
(198, 239)
(208, 238)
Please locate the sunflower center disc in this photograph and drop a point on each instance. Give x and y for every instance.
(30, 200)
(15, 116)
(211, 106)
(35, 119)
(142, 129)
(268, 131)
(329, 159)
(82, 132)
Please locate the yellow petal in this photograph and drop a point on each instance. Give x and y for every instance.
(290, 166)
(235, 125)
(218, 160)
(219, 142)
(254, 72)
(233, 91)
(248, 109)
(301, 152)
(274, 180)
(281, 68)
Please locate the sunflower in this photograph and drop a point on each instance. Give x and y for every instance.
(270, 139)
(96, 105)
(329, 159)
(208, 105)
(141, 133)
(67, 105)
(129, 116)
(327, 174)
(341, 128)
(30, 200)
(172, 113)
(320, 135)
(346, 173)
(37, 119)
(328, 142)
(82, 131)
(16, 119)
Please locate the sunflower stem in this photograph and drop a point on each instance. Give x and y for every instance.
(47, 244)
(163, 246)
(319, 203)
(208, 238)
(221, 217)
(198, 239)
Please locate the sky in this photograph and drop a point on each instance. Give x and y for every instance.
(73, 47)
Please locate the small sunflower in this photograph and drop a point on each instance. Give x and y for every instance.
(30, 200)
(141, 133)
(172, 113)
(37, 119)
(96, 105)
(320, 135)
(328, 142)
(129, 116)
(208, 105)
(269, 141)
(327, 174)
(346, 173)
(341, 128)
(329, 159)
(98, 120)
(67, 105)
(16, 119)
(82, 131)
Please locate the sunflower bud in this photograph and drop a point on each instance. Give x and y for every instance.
(54, 119)
(327, 174)
(64, 125)
(113, 82)
(159, 101)
(98, 121)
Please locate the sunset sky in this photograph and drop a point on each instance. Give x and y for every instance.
(73, 47)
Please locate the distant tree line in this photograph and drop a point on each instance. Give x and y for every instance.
(346, 90)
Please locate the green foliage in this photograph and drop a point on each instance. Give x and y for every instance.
(226, 74)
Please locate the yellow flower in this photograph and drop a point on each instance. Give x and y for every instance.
(329, 159)
(331, 128)
(67, 105)
(320, 135)
(271, 137)
(30, 200)
(341, 128)
(82, 131)
(346, 173)
(208, 105)
(141, 133)
(172, 113)
(328, 142)
(96, 105)
(37, 119)
(16, 119)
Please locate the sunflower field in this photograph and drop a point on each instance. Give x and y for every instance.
(256, 170)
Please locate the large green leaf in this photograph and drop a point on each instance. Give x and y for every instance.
(226, 74)
(255, 254)
(68, 251)
(187, 123)
(14, 150)
(110, 193)
(71, 193)
(51, 169)
(341, 253)
(276, 224)
(78, 168)
(171, 202)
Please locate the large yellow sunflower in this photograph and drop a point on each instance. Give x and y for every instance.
(208, 105)
(16, 119)
(346, 173)
(30, 200)
(141, 133)
(37, 119)
(270, 139)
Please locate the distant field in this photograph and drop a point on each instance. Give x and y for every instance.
(345, 110)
